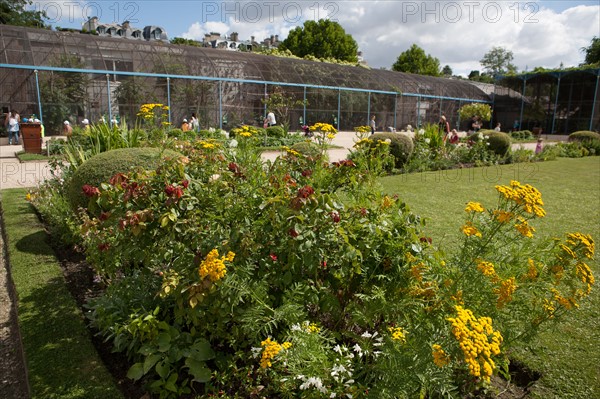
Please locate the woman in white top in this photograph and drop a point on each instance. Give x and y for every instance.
(12, 126)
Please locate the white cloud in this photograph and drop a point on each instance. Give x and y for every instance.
(458, 33)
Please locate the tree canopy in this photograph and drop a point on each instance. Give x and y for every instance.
(13, 12)
(497, 61)
(592, 52)
(447, 71)
(322, 39)
(414, 60)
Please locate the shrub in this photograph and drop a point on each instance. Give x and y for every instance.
(522, 135)
(102, 167)
(307, 148)
(499, 142)
(401, 146)
(275, 131)
(584, 135)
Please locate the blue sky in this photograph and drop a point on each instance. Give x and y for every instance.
(458, 33)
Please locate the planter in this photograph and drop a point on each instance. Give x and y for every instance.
(31, 134)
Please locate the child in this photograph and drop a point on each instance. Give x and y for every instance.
(538, 147)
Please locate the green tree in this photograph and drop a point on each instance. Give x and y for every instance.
(481, 77)
(592, 52)
(13, 12)
(414, 60)
(281, 104)
(447, 71)
(497, 61)
(322, 39)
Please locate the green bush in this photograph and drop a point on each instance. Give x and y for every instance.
(522, 135)
(102, 167)
(307, 148)
(499, 142)
(401, 146)
(584, 135)
(275, 131)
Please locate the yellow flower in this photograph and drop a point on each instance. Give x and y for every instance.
(474, 207)
(477, 340)
(577, 239)
(213, 267)
(440, 358)
(528, 197)
(503, 216)
(532, 272)
(505, 292)
(524, 228)
(271, 349)
(398, 334)
(469, 230)
(28, 197)
(486, 268)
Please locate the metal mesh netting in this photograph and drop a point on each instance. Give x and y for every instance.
(221, 87)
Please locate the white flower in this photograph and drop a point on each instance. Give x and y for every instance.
(421, 131)
(366, 334)
(427, 140)
(358, 349)
(332, 395)
(314, 382)
(255, 352)
(211, 129)
(337, 349)
(233, 143)
(296, 327)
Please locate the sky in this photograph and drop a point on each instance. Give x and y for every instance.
(542, 33)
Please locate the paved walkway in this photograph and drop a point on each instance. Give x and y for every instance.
(14, 174)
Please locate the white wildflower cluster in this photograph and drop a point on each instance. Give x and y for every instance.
(371, 342)
(311, 382)
(256, 351)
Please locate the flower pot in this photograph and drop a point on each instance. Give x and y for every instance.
(31, 134)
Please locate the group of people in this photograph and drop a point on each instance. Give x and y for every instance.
(12, 123)
(193, 124)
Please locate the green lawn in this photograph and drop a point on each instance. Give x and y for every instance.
(61, 360)
(568, 355)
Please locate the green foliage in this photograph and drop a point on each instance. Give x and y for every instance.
(321, 39)
(186, 42)
(102, 167)
(497, 61)
(307, 148)
(522, 135)
(584, 135)
(592, 52)
(590, 141)
(63, 93)
(483, 111)
(14, 13)
(281, 104)
(414, 60)
(499, 142)
(275, 131)
(401, 146)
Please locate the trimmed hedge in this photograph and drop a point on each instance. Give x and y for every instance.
(401, 146)
(499, 142)
(100, 168)
(522, 135)
(584, 135)
(276, 131)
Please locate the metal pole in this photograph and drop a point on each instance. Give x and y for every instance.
(522, 104)
(369, 110)
(493, 105)
(221, 104)
(555, 105)
(169, 98)
(37, 86)
(109, 101)
(458, 121)
(595, 99)
(265, 110)
(418, 112)
(339, 106)
(395, 109)
(304, 108)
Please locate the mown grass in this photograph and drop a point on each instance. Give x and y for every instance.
(61, 359)
(566, 355)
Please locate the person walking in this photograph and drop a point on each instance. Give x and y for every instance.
(195, 123)
(271, 121)
(12, 126)
(373, 124)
